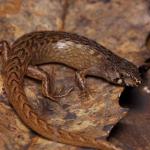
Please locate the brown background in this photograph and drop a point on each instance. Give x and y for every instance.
(120, 25)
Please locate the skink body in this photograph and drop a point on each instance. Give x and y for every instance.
(77, 52)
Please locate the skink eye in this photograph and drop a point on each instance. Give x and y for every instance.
(119, 80)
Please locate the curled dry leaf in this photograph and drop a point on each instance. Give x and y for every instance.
(119, 29)
(93, 115)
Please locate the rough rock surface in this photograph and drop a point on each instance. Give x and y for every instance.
(121, 26)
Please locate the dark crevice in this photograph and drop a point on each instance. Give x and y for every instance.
(134, 99)
(130, 98)
(127, 98)
(116, 130)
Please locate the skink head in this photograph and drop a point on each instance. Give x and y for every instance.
(120, 71)
(128, 74)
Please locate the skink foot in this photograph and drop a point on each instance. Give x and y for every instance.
(57, 95)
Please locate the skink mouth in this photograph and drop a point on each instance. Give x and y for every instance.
(132, 83)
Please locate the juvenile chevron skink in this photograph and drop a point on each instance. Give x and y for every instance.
(86, 56)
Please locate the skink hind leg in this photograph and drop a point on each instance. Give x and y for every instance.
(48, 88)
(4, 50)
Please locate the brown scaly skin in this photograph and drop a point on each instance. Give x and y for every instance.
(86, 56)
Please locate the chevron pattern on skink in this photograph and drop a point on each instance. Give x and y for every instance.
(84, 55)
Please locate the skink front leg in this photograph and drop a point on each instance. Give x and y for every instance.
(48, 88)
(80, 79)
